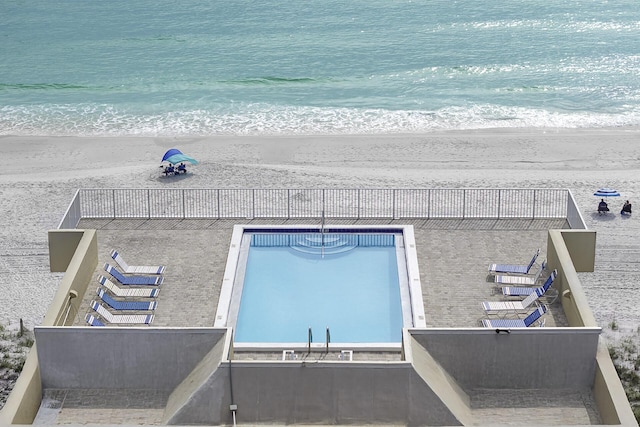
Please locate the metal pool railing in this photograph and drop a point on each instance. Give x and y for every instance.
(322, 203)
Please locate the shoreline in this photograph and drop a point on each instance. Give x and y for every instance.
(505, 129)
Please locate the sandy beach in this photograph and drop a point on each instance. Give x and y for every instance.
(42, 174)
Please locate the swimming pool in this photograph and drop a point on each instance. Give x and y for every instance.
(344, 286)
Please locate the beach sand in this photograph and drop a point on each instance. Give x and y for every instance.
(41, 175)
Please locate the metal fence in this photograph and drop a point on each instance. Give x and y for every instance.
(319, 203)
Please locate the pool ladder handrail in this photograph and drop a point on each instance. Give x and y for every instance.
(310, 339)
(328, 339)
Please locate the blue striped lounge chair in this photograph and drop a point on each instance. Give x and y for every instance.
(93, 320)
(136, 269)
(126, 305)
(532, 318)
(121, 318)
(514, 268)
(519, 279)
(132, 280)
(512, 291)
(116, 290)
(507, 307)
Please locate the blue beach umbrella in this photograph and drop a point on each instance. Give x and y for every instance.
(606, 192)
(174, 156)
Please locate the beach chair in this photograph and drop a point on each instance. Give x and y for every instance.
(135, 269)
(121, 318)
(514, 268)
(132, 280)
(506, 307)
(126, 305)
(128, 292)
(522, 280)
(514, 291)
(603, 208)
(93, 320)
(532, 318)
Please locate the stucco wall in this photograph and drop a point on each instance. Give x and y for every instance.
(557, 358)
(610, 396)
(294, 392)
(76, 253)
(561, 257)
(82, 245)
(62, 247)
(570, 251)
(121, 358)
(581, 245)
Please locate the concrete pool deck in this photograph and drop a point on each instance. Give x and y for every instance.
(453, 257)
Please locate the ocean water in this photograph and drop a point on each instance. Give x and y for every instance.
(162, 68)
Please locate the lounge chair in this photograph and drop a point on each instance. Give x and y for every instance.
(513, 291)
(128, 292)
(93, 320)
(517, 323)
(132, 280)
(125, 305)
(514, 268)
(509, 279)
(136, 269)
(121, 318)
(498, 307)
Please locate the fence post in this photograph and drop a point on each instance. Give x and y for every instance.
(288, 204)
(359, 207)
(535, 192)
(253, 203)
(393, 204)
(218, 197)
(464, 202)
(148, 203)
(184, 206)
(113, 198)
(499, 203)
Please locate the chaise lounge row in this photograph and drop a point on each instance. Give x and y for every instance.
(518, 300)
(128, 292)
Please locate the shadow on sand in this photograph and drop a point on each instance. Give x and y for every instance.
(173, 178)
(607, 216)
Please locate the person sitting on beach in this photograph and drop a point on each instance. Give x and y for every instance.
(626, 208)
(182, 168)
(169, 170)
(602, 207)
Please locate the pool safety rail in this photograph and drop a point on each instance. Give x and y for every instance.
(310, 341)
(322, 204)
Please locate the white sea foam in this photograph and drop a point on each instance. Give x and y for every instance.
(260, 119)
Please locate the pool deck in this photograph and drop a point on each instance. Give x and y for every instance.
(453, 257)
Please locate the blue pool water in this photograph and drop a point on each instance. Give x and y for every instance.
(353, 291)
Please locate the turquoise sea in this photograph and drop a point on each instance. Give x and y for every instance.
(167, 68)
